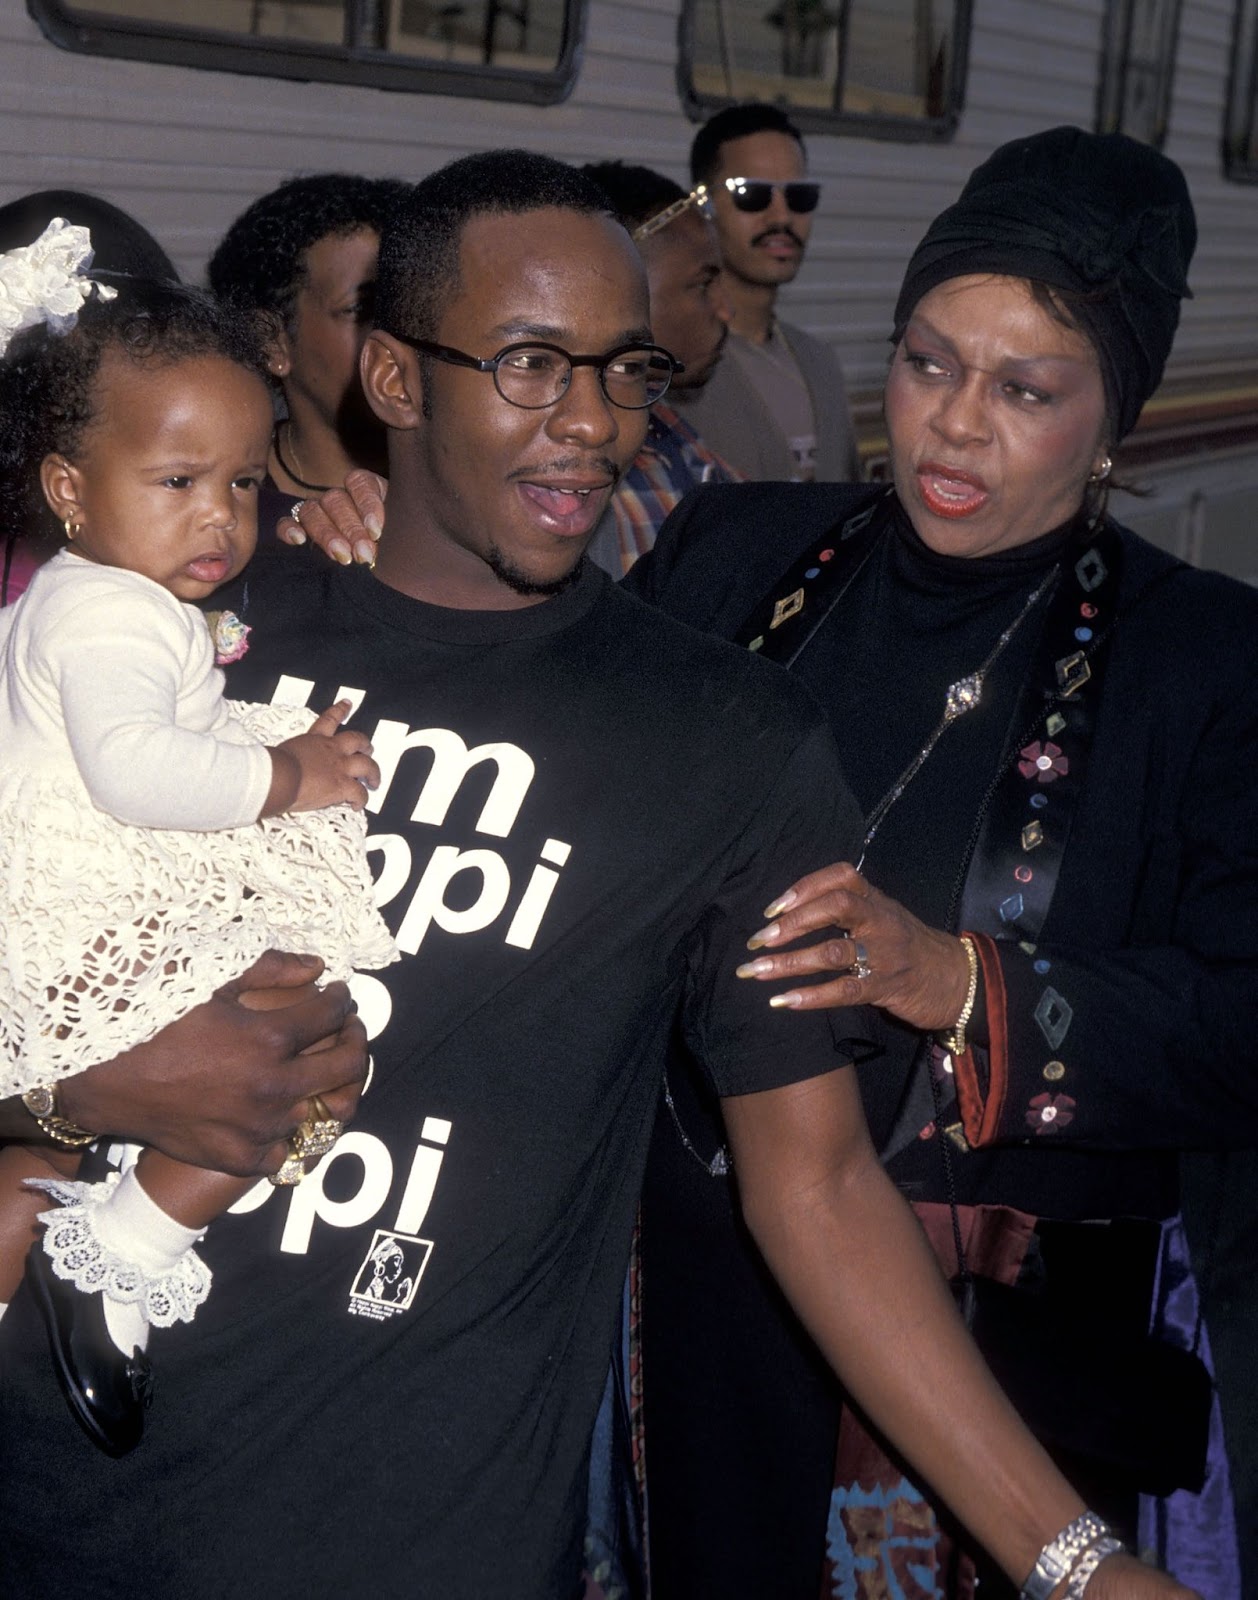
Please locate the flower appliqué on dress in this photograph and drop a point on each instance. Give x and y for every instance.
(1043, 762)
(230, 635)
(1048, 1112)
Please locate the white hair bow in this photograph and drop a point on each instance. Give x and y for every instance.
(46, 281)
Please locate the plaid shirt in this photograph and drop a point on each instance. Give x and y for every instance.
(673, 461)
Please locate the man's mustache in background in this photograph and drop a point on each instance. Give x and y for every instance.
(779, 231)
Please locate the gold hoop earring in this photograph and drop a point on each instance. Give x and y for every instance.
(71, 527)
(1102, 472)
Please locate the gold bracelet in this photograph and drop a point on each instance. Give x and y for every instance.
(954, 1042)
(41, 1102)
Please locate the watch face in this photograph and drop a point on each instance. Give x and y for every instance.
(40, 1101)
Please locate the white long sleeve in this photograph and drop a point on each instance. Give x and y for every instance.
(121, 675)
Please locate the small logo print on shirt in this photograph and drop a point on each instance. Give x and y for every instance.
(387, 1281)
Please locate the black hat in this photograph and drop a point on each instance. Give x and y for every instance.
(1099, 215)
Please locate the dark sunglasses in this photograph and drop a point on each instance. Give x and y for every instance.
(754, 194)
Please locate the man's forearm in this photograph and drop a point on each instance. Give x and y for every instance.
(225, 1086)
(858, 1270)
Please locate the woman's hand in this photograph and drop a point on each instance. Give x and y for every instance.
(345, 523)
(914, 972)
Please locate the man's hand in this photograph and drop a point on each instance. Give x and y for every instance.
(226, 1085)
(345, 523)
(916, 973)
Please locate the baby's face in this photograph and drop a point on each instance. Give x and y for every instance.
(168, 472)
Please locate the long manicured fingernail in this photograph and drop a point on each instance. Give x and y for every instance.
(783, 903)
(295, 535)
(340, 551)
(755, 969)
(373, 524)
(365, 553)
(791, 999)
(766, 936)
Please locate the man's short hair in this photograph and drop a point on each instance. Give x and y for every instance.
(735, 122)
(260, 265)
(419, 249)
(636, 193)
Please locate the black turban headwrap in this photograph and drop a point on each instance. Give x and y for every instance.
(1097, 214)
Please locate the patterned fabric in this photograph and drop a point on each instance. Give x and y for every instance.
(673, 461)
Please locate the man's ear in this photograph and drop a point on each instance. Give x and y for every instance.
(276, 344)
(390, 372)
(61, 482)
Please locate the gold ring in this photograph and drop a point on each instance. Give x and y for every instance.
(318, 1133)
(293, 1170)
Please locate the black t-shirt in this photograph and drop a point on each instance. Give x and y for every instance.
(585, 809)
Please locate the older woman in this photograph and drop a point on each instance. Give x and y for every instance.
(1053, 925)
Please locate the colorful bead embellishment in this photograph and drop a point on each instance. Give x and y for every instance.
(1043, 762)
(1048, 1112)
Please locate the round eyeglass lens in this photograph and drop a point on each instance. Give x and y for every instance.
(635, 379)
(535, 376)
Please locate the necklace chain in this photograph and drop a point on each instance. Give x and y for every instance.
(313, 488)
(962, 697)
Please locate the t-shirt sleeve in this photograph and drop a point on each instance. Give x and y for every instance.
(118, 682)
(808, 820)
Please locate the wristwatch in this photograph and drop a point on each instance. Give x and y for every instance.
(41, 1102)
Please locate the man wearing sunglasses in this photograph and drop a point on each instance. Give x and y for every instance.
(777, 406)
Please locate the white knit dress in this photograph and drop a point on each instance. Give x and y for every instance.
(133, 878)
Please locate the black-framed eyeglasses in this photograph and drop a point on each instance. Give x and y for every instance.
(533, 375)
(754, 194)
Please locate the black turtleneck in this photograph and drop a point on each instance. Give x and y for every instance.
(911, 623)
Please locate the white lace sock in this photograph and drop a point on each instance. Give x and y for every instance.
(112, 1238)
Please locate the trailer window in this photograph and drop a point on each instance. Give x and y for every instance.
(885, 68)
(1137, 66)
(518, 50)
(1240, 129)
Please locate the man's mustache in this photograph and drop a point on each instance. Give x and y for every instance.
(779, 231)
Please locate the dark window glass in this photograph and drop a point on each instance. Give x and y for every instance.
(1137, 66)
(1240, 130)
(894, 68)
(524, 50)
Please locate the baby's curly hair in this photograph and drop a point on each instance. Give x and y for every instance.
(48, 380)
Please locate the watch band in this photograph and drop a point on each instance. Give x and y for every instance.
(1056, 1560)
(1088, 1562)
(41, 1102)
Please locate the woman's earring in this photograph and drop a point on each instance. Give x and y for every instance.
(71, 527)
(1102, 472)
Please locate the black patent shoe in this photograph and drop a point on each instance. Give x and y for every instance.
(107, 1391)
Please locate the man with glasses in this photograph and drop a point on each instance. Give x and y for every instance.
(777, 407)
(583, 808)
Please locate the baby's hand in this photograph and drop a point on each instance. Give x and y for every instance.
(324, 767)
